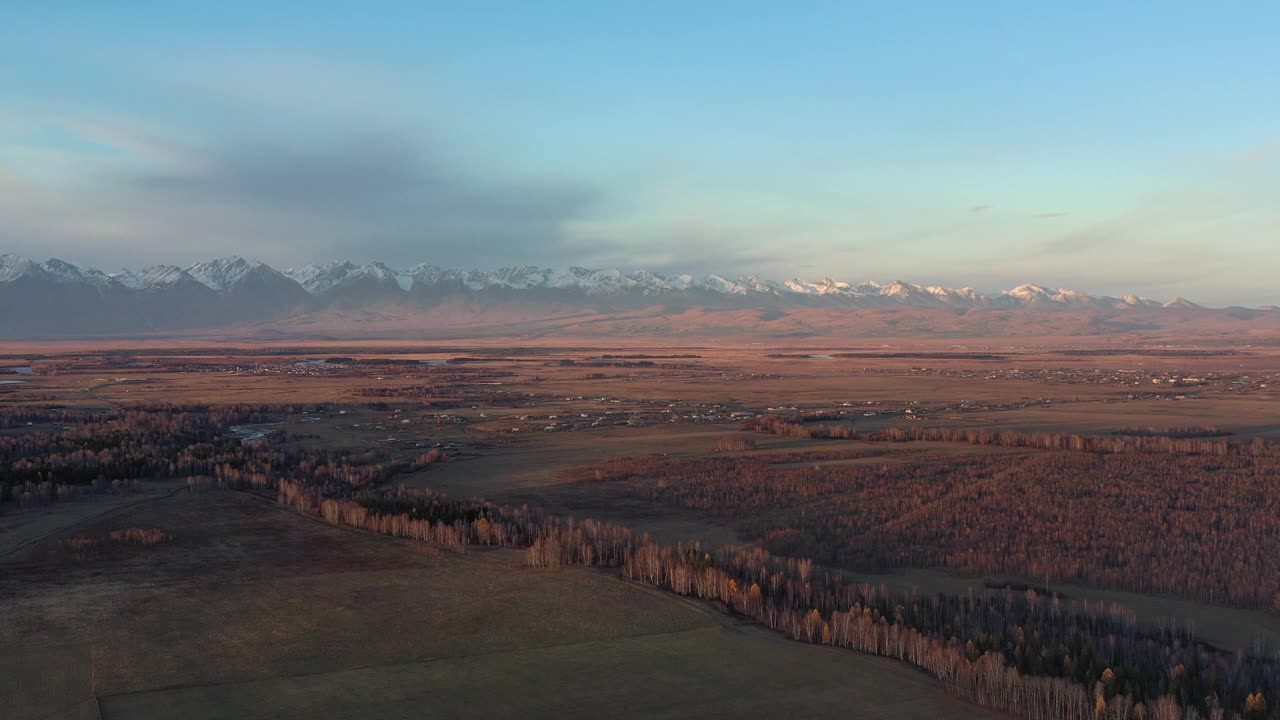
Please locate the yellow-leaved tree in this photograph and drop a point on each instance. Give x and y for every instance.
(1255, 706)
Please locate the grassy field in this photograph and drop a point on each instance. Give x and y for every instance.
(700, 673)
(254, 611)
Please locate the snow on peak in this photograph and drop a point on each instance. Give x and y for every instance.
(964, 296)
(383, 275)
(523, 277)
(753, 283)
(716, 283)
(1029, 291)
(826, 286)
(13, 267)
(129, 279)
(377, 271)
(66, 273)
(320, 279)
(156, 276)
(901, 290)
(428, 274)
(651, 282)
(317, 279)
(224, 273)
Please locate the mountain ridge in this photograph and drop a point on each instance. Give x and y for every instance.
(59, 298)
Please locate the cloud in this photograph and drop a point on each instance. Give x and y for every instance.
(1085, 240)
(979, 208)
(368, 195)
(699, 246)
(350, 174)
(284, 156)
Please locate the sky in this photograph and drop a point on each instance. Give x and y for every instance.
(1102, 146)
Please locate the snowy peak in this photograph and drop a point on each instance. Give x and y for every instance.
(765, 287)
(155, 277)
(64, 272)
(379, 276)
(426, 275)
(1138, 301)
(906, 292)
(1038, 295)
(1029, 293)
(826, 286)
(376, 271)
(524, 277)
(13, 267)
(317, 279)
(959, 297)
(651, 283)
(716, 283)
(224, 274)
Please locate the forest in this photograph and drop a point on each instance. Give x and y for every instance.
(111, 450)
(1189, 525)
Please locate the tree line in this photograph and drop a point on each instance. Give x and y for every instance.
(1021, 652)
(798, 427)
(1177, 441)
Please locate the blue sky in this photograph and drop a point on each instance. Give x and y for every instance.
(1112, 147)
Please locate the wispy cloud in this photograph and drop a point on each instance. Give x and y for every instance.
(700, 246)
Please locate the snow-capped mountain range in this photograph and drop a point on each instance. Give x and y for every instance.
(227, 275)
(56, 297)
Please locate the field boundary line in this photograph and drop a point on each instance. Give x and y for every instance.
(85, 520)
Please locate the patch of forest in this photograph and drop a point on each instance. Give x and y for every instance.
(1197, 526)
(104, 451)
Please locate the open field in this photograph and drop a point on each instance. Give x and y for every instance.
(294, 618)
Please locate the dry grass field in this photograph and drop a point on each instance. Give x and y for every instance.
(254, 611)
